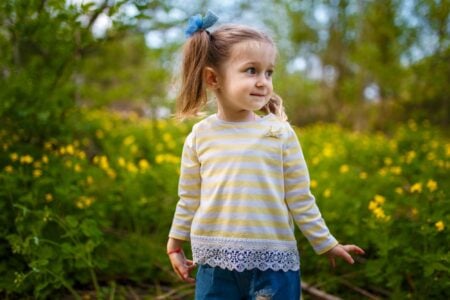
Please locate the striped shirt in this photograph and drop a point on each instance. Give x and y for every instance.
(242, 187)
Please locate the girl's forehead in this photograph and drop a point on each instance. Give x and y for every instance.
(253, 49)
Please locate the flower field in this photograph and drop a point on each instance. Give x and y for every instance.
(88, 215)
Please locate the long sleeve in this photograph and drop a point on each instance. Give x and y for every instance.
(300, 200)
(188, 191)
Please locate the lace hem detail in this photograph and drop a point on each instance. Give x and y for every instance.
(244, 254)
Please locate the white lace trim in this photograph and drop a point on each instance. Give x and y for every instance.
(244, 254)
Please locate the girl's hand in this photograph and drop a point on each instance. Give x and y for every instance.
(343, 251)
(275, 106)
(182, 266)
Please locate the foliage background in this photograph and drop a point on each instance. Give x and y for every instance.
(89, 157)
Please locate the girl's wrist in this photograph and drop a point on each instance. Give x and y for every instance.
(176, 250)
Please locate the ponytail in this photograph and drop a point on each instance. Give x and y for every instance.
(204, 49)
(192, 96)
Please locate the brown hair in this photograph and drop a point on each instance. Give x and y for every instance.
(206, 49)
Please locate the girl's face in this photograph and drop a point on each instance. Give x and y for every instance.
(245, 80)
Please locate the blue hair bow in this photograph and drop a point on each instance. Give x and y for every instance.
(197, 23)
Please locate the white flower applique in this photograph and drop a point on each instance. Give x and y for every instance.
(275, 132)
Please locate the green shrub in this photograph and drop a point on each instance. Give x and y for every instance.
(388, 195)
(92, 213)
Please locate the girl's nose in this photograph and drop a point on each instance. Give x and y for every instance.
(262, 80)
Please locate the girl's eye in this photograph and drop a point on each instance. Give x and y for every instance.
(250, 70)
(269, 73)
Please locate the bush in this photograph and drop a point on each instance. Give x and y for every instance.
(94, 212)
(388, 194)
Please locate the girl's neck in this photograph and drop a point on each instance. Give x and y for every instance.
(244, 116)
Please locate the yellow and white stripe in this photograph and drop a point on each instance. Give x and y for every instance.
(245, 186)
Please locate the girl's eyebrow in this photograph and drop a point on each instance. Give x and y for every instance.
(256, 63)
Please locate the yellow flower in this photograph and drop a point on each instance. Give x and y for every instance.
(172, 159)
(77, 168)
(88, 201)
(447, 149)
(344, 169)
(393, 145)
(167, 158)
(159, 158)
(327, 193)
(167, 137)
(131, 167)
(48, 197)
(382, 172)
(81, 155)
(328, 150)
(99, 134)
(315, 160)
(134, 149)
(363, 175)
(111, 173)
(396, 170)
(14, 156)
(379, 213)
(26, 159)
(373, 205)
(121, 162)
(143, 164)
(414, 211)
(89, 180)
(388, 161)
(84, 201)
(431, 156)
(313, 183)
(129, 140)
(103, 161)
(37, 173)
(399, 190)
(9, 169)
(45, 159)
(379, 199)
(47, 145)
(416, 187)
(410, 156)
(70, 150)
(432, 185)
(439, 225)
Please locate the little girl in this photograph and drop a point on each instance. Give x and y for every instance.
(243, 181)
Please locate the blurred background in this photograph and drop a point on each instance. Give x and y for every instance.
(89, 153)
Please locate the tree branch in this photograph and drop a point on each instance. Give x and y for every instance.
(318, 294)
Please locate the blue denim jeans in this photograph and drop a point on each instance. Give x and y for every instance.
(214, 283)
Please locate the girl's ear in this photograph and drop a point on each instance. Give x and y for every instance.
(211, 78)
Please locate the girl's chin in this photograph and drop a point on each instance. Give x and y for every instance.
(260, 106)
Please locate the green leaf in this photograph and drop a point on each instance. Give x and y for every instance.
(71, 221)
(90, 229)
(66, 248)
